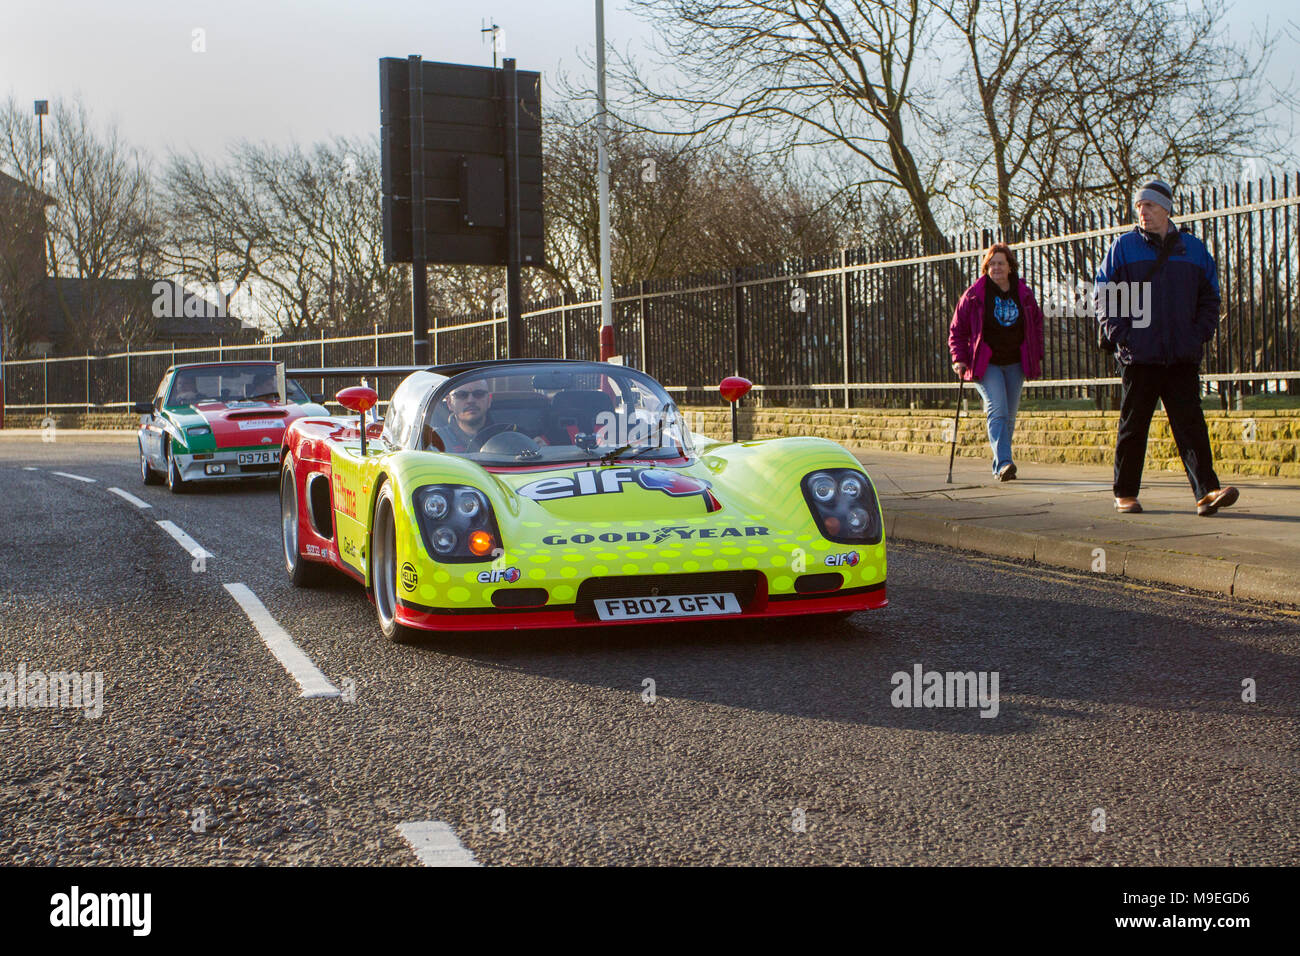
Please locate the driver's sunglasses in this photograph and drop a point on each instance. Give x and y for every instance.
(464, 393)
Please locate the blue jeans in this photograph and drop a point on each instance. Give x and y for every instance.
(1000, 389)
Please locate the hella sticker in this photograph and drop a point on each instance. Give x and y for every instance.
(508, 575)
(606, 481)
(837, 560)
(410, 578)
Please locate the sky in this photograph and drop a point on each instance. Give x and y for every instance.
(271, 70)
(293, 70)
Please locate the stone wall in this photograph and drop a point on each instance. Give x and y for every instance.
(1262, 443)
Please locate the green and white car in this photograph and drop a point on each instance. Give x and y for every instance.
(219, 421)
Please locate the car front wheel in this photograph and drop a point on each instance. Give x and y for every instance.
(147, 474)
(383, 569)
(175, 483)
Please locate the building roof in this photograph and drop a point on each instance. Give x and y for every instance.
(10, 185)
(139, 297)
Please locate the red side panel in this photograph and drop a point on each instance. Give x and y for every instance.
(308, 441)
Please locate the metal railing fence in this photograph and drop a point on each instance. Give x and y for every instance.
(860, 327)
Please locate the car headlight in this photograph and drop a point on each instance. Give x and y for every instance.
(467, 503)
(844, 505)
(456, 523)
(444, 540)
(435, 506)
(198, 430)
(822, 487)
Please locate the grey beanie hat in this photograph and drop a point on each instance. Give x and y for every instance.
(1158, 192)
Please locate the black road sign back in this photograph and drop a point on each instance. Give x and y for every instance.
(463, 163)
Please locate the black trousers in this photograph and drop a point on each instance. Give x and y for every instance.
(1179, 387)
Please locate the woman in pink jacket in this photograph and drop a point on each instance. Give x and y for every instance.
(996, 341)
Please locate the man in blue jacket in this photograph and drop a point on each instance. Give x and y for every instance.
(1157, 302)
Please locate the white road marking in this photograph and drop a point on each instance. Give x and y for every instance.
(30, 468)
(435, 844)
(277, 639)
(185, 541)
(127, 496)
(64, 474)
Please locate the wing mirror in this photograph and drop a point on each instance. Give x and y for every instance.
(733, 389)
(359, 399)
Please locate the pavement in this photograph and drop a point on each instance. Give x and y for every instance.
(1063, 515)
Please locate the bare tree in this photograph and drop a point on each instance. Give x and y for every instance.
(103, 224)
(676, 208)
(787, 75)
(1058, 103)
(212, 234)
(1004, 122)
(300, 227)
(1175, 98)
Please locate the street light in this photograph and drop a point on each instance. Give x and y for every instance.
(602, 181)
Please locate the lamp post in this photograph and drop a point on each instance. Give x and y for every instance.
(602, 164)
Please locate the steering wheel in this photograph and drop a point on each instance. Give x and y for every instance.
(476, 443)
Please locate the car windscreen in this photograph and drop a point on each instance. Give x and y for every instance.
(230, 383)
(541, 414)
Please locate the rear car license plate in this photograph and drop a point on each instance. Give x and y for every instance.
(268, 457)
(673, 605)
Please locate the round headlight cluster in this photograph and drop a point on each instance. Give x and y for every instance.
(456, 522)
(842, 502)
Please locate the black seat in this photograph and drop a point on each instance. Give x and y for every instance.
(574, 412)
(527, 411)
(439, 420)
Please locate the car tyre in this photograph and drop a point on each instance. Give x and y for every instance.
(147, 474)
(175, 483)
(302, 573)
(383, 569)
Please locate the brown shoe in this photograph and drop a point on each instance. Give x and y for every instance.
(1133, 508)
(1216, 500)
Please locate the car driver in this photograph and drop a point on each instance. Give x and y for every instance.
(186, 391)
(264, 386)
(468, 405)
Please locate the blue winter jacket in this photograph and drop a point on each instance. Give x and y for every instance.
(1168, 322)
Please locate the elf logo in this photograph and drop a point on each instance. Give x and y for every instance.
(508, 575)
(837, 560)
(607, 481)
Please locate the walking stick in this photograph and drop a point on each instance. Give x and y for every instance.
(961, 388)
